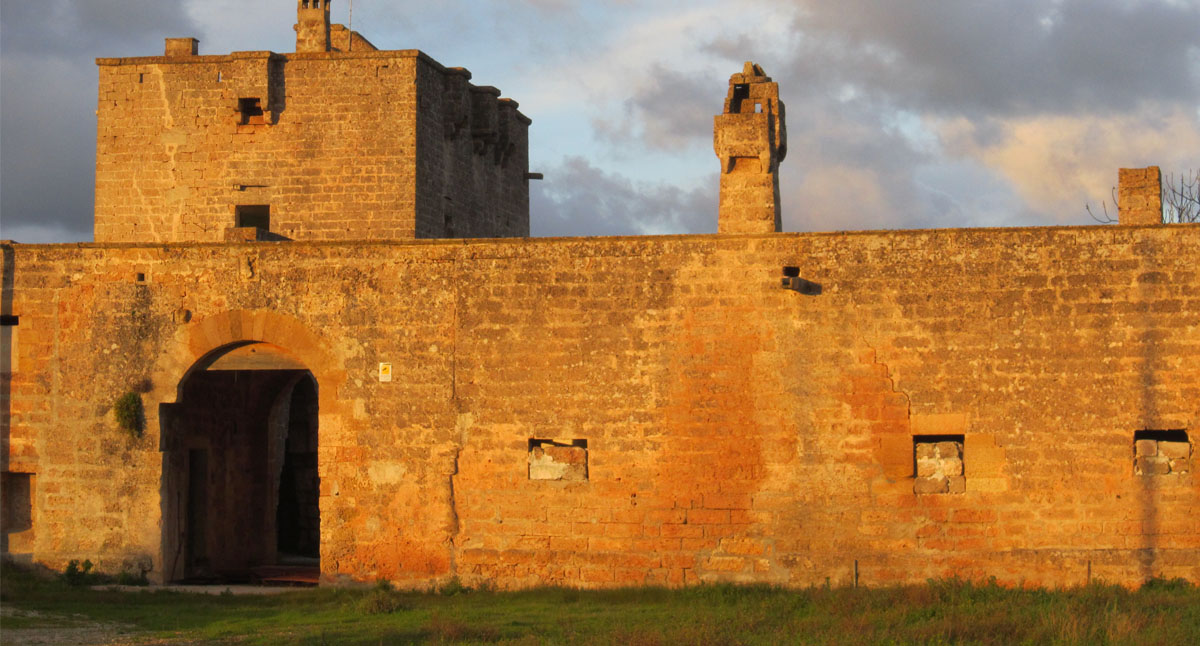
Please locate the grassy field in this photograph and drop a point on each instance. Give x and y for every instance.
(940, 612)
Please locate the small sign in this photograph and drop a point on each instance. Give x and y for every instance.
(385, 372)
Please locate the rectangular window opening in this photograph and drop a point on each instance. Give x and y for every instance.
(1161, 452)
(10, 320)
(558, 460)
(251, 112)
(253, 215)
(139, 277)
(938, 464)
(16, 498)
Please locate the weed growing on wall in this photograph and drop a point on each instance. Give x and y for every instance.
(130, 414)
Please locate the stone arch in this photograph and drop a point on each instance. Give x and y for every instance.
(239, 336)
(209, 337)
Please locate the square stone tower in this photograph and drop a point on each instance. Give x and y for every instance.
(338, 141)
(750, 138)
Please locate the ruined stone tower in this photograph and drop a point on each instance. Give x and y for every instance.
(750, 138)
(312, 25)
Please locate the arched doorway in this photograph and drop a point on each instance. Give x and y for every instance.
(240, 482)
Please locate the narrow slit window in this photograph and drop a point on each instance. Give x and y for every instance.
(253, 215)
(558, 460)
(938, 464)
(1161, 453)
(251, 112)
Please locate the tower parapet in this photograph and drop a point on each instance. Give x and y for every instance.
(750, 138)
(312, 25)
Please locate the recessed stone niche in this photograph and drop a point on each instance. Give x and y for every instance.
(558, 460)
(938, 464)
(1161, 453)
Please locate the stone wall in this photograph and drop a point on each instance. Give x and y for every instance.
(338, 145)
(731, 429)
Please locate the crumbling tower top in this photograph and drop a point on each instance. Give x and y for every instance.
(312, 25)
(750, 139)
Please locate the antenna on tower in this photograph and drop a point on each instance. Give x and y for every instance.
(350, 28)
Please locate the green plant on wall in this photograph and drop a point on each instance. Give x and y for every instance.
(130, 414)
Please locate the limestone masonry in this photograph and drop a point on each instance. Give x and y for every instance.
(332, 383)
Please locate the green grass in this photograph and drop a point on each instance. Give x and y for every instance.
(940, 612)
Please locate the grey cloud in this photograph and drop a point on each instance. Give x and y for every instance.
(667, 110)
(578, 199)
(47, 120)
(1004, 57)
(90, 28)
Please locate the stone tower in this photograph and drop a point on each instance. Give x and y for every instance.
(312, 25)
(1139, 195)
(750, 138)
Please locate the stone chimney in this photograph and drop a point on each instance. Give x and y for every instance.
(1139, 196)
(750, 139)
(182, 47)
(312, 25)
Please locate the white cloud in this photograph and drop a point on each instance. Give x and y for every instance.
(1059, 163)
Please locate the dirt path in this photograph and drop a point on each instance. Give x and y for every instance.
(71, 630)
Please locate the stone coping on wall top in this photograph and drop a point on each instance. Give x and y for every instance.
(680, 237)
(333, 56)
(224, 58)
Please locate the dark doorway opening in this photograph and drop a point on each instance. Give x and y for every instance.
(242, 488)
(297, 517)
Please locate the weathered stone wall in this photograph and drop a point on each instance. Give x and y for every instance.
(734, 430)
(332, 146)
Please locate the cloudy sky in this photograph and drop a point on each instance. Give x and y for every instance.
(901, 114)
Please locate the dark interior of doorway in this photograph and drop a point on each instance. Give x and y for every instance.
(251, 510)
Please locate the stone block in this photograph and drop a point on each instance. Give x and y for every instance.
(958, 484)
(1152, 466)
(926, 451)
(931, 485)
(1145, 448)
(927, 467)
(1173, 450)
(939, 424)
(949, 450)
(548, 461)
(1181, 465)
(951, 466)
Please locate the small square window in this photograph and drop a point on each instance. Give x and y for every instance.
(938, 464)
(552, 460)
(1161, 453)
(251, 112)
(253, 215)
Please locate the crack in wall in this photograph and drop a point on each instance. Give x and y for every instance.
(461, 423)
(453, 521)
(862, 337)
